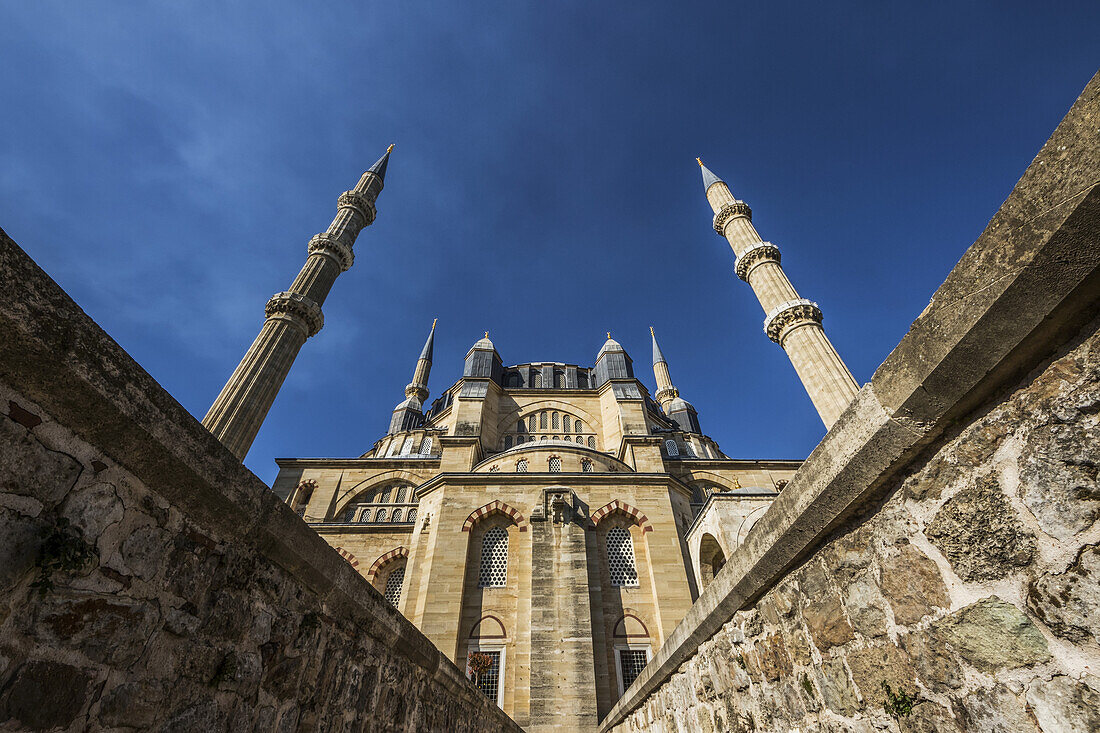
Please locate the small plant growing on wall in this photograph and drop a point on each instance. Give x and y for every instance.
(478, 665)
(63, 549)
(899, 704)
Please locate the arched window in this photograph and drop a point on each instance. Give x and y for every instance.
(402, 491)
(521, 465)
(556, 421)
(556, 437)
(412, 516)
(559, 380)
(538, 380)
(620, 558)
(689, 451)
(426, 446)
(383, 496)
(586, 465)
(578, 426)
(532, 421)
(393, 586)
(407, 446)
(580, 439)
(542, 421)
(380, 516)
(521, 426)
(555, 465)
(591, 442)
(582, 380)
(671, 449)
(364, 517)
(507, 442)
(396, 516)
(565, 423)
(494, 559)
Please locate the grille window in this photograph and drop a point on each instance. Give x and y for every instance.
(580, 439)
(364, 517)
(555, 465)
(396, 516)
(381, 516)
(426, 446)
(591, 442)
(534, 427)
(565, 423)
(559, 380)
(538, 380)
(401, 494)
(631, 662)
(488, 681)
(542, 420)
(393, 586)
(556, 421)
(412, 516)
(670, 447)
(507, 442)
(620, 558)
(586, 465)
(578, 427)
(494, 559)
(407, 447)
(521, 465)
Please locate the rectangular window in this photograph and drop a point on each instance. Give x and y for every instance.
(630, 661)
(489, 665)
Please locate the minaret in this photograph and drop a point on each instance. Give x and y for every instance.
(292, 317)
(791, 321)
(668, 397)
(410, 413)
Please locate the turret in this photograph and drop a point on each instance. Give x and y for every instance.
(409, 414)
(292, 317)
(677, 409)
(612, 362)
(790, 320)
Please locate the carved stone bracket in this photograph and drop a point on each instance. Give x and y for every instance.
(728, 212)
(328, 245)
(759, 252)
(792, 313)
(298, 309)
(360, 203)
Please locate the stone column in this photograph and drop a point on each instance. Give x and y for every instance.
(790, 320)
(292, 317)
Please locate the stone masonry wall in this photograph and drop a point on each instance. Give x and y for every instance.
(974, 588)
(148, 581)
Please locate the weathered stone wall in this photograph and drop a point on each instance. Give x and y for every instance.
(975, 587)
(149, 581)
(934, 564)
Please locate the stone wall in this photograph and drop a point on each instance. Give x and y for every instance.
(149, 581)
(934, 565)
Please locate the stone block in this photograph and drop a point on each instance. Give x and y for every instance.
(44, 695)
(826, 622)
(875, 665)
(28, 468)
(1069, 602)
(992, 635)
(836, 688)
(1064, 705)
(865, 607)
(979, 533)
(912, 584)
(995, 710)
(1058, 474)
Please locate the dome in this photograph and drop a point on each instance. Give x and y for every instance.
(679, 405)
(484, 343)
(610, 345)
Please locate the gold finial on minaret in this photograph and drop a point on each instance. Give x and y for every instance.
(434, 321)
(390, 149)
(486, 334)
(609, 334)
(699, 161)
(651, 332)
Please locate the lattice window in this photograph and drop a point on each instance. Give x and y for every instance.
(591, 442)
(586, 465)
(538, 380)
(426, 446)
(631, 663)
(689, 451)
(580, 439)
(412, 516)
(620, 558)
(494, 559)
(380, 516)
(582, 380)
(407, 446)
(559, 380)
(555, 465)
(542, 421)
(533, 425)
(364, 517)
(671, 449)
(488, 680)
(578, 427)
(521, 465)
(556, 422)
(383, 495)
(565, 423)
(396, 516)
(401, 493)
(393, 586)
(507, 442)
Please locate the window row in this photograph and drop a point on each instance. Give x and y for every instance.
(521, 439)
(553, 465)
(673, 449)
(514, 380)
(493, 572)
(549, 420)
(370, 515)
(406, 448)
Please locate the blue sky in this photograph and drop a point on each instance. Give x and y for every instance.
(168, 162)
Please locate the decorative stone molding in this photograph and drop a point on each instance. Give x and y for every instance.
(331, 247)
(664, 395)
(791, 313)
(618, 506)
(759, 252)
(386, 558)
(730, 212)
(360, 203)
(298, 309)
(348, 556)
(495, 507)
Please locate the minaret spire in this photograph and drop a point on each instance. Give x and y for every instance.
(409, 413)
(790, 320)
(666, 393)
(292, 317)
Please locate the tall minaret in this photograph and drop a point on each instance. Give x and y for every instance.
(410, 413)
(791, 321)
(668, 397)
(292, 317)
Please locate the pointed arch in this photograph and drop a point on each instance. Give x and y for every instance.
(399, 552)
(630, 626)
(494, 507)
(348, 556)
(618, 506)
